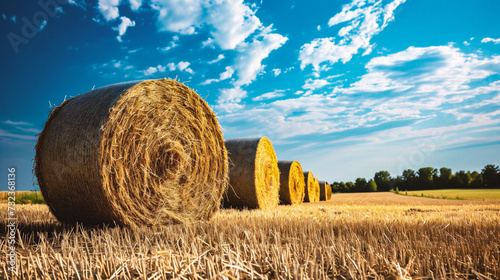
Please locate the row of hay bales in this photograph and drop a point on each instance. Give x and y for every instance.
(152, 153)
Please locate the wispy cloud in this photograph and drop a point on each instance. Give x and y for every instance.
(223, 76)
(364, 20)
(488, 40)
(270, 95)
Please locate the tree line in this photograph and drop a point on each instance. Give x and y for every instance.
(424, 179)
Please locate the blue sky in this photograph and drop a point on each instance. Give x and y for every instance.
(347, 88)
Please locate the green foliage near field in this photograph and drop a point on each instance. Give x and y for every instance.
(30, 198)
(23, 197)
(482, 194)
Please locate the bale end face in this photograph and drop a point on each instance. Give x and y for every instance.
(292, 184)
(253, 174)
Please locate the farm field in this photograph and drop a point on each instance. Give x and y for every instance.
(352, 236)
(457, 193)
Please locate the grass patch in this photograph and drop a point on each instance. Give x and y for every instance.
(459, 194)
(24, 197)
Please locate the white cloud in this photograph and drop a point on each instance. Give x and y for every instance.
(122, 28)
(488, 40)
(223, 76)
(270, 95)
(42, 25)
(417, 85)
(219, 58)
(276, 72)
(153, 69)
(109, 9)
(249, 60)
(233, 22)
(230, 22)
(181, 16)
(12, 18)
(135, 4)
(171, 45)
(14, 123)
(315, 84)
(182, 66)
(229, 99)
(364, 21)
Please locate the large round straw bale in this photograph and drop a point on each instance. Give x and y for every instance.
(137, 153)
(311, 188)
(325, 191)
(253, 174)
(292, 182)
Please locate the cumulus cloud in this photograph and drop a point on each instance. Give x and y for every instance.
(313, 84)
(122, 28)
(276, 72)
(109, 9)
(490, 40)
(135, 4)
(248, 63)
(448, 90)
(154, 69)
(229, 99)
(230, 22)
(363, 21)
(182, 66)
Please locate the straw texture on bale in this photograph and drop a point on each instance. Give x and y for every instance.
(292, 184)
(134, 154)
(325, 191)
(311, 188)
(253, 174)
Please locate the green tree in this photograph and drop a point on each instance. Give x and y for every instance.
(372, 186)
(409, 179)
(477, 180)
(444, 179)
(361, 185)
(382, 179)
(350, 186)
(425, 177)
(491, 176)
(465, 177)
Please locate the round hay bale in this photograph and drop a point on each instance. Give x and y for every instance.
(292, 184)
(311, 188)
(325, 191)
(253, 174)
(137, 153)
(316, 188)
(328, 192)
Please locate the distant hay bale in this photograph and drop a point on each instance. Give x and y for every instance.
(292, 182)
(311, 188)
(253, 174)
(137, 153)
(325, 191)
(316, 183)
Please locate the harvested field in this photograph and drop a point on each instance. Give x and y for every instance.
(353, 236)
